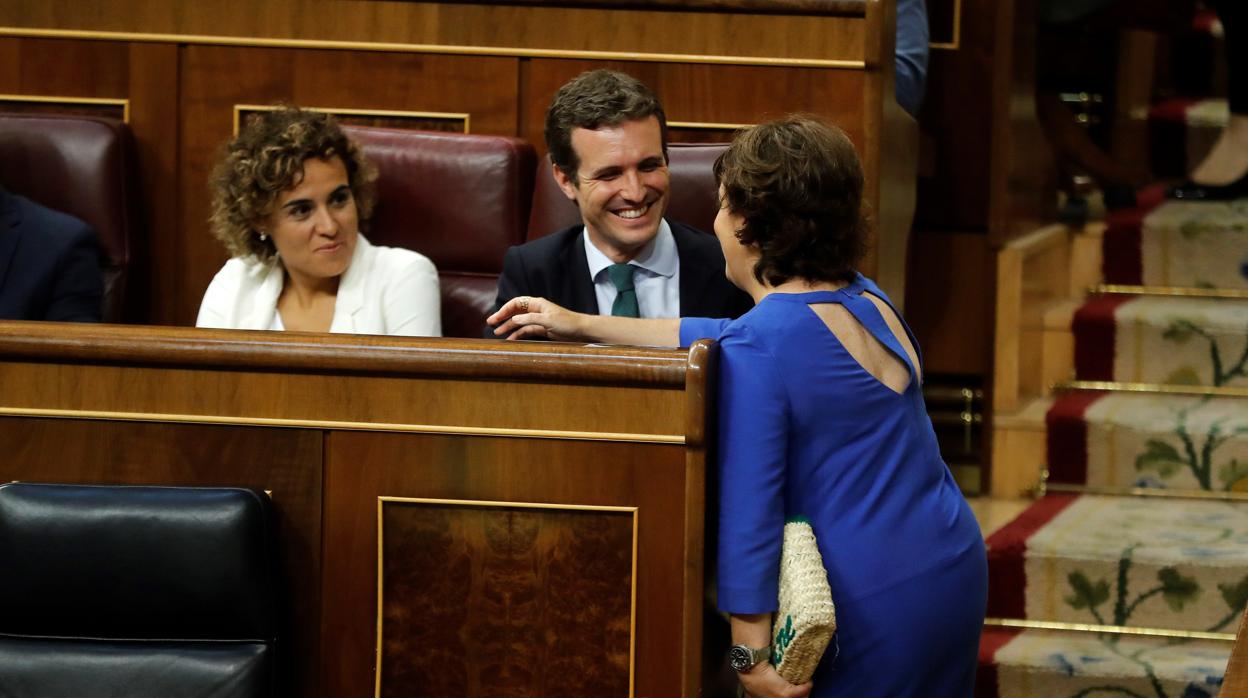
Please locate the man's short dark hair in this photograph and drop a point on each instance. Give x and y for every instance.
(592, 100)
(797, 183)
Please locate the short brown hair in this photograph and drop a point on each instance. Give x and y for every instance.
(592, 100)
(797, 183)
(267, 158)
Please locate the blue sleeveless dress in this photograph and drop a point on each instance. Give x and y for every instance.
(805, 430)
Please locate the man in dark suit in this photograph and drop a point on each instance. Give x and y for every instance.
(49, 264)
(607, 138)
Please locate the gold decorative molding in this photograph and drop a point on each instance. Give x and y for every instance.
(1173, 291)
(707, 125)
(59, 99)
(344, 426)
(1108, 629)
(1159, 493)
(462, 117)
(381, 549)
(956, 42)
(1158, 388)
(501, 51)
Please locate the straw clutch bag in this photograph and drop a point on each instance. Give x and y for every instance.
(806, 618)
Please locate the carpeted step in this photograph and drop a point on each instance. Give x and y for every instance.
(1066, 664)
(1149, 562)
(1157, 339)
(1148, 440)
(1178, 243)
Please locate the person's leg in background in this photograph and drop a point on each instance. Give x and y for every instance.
(1224, 171)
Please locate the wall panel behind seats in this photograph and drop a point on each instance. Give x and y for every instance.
(216, 78)
(144, 74)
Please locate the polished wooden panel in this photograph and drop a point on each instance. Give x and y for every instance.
(950, 310)
(499, 28)
(285, 462)
(484, 88)
(130, 402)
(702, 93)
(1236, 681)
(363, 466)
(466, 589)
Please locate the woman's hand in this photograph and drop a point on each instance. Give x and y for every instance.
(763, 682)
(531, 316)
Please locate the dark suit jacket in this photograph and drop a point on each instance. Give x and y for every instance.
(554, 268)
(49, 264)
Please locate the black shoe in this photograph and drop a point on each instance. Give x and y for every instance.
(1191, 191)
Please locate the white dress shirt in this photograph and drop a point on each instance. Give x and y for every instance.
(656, 278)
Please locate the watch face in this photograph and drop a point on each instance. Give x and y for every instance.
(739, 658)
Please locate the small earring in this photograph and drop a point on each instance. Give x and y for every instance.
(264, 237)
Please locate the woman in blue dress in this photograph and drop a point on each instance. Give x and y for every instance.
(821, 415)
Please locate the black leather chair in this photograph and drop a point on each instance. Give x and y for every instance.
(136, 591)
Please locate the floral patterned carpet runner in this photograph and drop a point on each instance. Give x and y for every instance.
(1170, 563)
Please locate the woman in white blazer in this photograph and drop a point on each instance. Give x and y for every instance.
(289, 195)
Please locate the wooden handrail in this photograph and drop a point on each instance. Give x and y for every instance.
(356, 354)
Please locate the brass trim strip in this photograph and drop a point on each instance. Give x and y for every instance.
(557, 434)
(465, 117)
(632, 623)
(1174, 291)
(58, 99)
(1210, 495)
(955, 43)
(1159, 388)
(503, 51)
(1108, 629)
(707, 125)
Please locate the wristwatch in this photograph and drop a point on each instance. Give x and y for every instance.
(743, 657)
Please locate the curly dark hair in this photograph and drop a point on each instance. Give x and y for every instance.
(591, 100)
(797, 183)
(267, 158)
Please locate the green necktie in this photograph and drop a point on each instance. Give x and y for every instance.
(626, 299)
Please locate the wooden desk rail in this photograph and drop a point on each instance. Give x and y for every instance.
(537, 507)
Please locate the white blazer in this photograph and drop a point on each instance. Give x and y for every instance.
(385, 290)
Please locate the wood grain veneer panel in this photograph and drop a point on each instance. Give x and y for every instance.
(483, 580)
(337, 398)
(483, 87)
(284, 461)
(360, 467)
(731, 33)
(703, 93)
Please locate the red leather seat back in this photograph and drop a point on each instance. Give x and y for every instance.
(460, 200)
(83, 166)
(694, 195)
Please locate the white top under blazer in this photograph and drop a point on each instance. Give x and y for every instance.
(385, 290)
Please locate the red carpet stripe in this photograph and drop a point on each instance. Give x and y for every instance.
(1007, 549)
(1122, 258)
(991, 639)
(1095, 332)
(1067, 437)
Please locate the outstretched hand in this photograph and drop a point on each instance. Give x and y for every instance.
(531, 316)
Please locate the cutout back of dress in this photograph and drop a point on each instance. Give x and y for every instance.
(871, 351)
